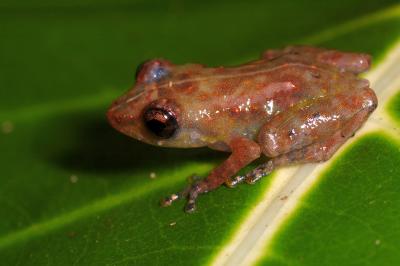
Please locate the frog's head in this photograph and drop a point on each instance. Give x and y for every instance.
(150, 111)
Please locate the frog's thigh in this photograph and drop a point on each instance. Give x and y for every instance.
(299, 127)
(316, 152)
(324, 149)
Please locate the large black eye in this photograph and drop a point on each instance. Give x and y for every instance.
(161, 122)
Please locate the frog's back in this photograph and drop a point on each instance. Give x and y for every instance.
(291, 77)
(239, 100)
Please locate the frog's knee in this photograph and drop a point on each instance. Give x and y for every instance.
(270, 142)
(366, 100)
(370, 100)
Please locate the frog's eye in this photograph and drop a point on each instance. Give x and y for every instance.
(152, 70)
(160, 122)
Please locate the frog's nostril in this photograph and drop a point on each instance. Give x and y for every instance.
(114, 117)
(118, 118)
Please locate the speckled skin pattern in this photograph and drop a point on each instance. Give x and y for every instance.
(294, 105)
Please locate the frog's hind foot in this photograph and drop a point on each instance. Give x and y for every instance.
(232, 182)
(259, 172)
(252, 176)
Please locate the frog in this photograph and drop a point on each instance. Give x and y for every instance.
(294, 105)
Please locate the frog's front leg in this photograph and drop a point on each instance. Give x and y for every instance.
(244, 151)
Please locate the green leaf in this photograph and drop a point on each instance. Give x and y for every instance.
(394, 107)
(76, 192)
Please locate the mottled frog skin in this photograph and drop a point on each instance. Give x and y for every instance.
(295, 105)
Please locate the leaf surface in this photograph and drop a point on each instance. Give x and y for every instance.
(75, 192)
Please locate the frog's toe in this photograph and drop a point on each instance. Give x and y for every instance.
(195, 190)
(191, 192)
(259, 172)
(167, 201)
(190, 206)
(252, 176)
(234, 181)
(251, 180)
(194, 178)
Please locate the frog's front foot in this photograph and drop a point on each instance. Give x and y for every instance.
(191, 192)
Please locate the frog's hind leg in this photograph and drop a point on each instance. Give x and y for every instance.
(303, 147)
(317, 152)
(345, 61)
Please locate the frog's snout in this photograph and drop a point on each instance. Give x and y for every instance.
(112, 120)
(118, 117)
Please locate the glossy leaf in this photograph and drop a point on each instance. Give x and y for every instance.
(76, 192)
(394, 107)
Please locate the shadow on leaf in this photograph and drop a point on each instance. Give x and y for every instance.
(85, 142)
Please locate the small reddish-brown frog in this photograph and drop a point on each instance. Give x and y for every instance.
(295, 105)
